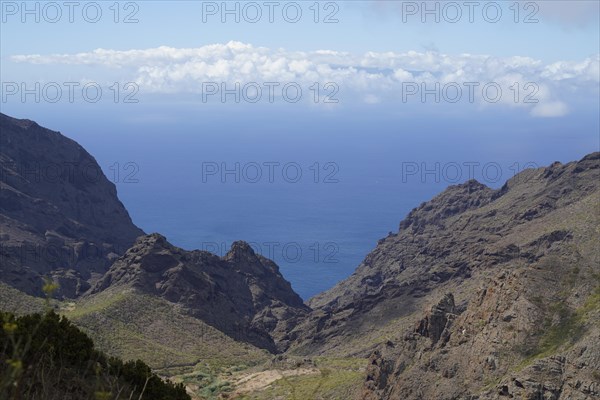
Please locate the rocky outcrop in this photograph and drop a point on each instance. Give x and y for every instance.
(59, 215)
(436, 325)
(523, 267)
(242, 294)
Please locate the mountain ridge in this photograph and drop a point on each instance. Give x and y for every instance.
(495, 253)
(242, 294)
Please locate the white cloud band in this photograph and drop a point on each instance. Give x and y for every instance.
(374, 76)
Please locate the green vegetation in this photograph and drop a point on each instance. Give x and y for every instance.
(567, 331)
(132, 325)
(17, 302)
(44, 356)
(205, 384)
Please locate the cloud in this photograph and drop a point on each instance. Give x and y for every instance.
(372, 99)
(563, 70)
(551, 109)
(373, 76)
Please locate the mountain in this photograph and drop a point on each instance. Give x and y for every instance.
(59, 215)
(242, 294)
(481, 294)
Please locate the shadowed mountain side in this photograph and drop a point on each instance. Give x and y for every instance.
(242, 294)
(59, 215)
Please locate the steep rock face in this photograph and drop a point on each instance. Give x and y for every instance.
(242, 294)
(391, 281)
(522, 264)
(59, 215)
(436, 325)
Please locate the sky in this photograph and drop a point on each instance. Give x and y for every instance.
(545, 30)
(541, 57)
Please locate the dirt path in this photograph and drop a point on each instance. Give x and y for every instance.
(261, 380)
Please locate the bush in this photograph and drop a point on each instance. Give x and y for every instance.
(47, 357)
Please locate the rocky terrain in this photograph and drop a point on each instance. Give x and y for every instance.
(484, 294)
(59, 215)
(481, 294)
(241, 294)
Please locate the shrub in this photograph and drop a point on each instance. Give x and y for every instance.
(47, 357)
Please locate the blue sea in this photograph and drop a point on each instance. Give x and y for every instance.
(361, 173)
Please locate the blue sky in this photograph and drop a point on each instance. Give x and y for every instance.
(539, 58)
(566, 29)
(370, 52)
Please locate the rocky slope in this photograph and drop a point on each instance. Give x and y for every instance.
(242, 294)
(482, 294)
(59, 215)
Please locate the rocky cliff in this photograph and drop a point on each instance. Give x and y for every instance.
(482, 294)
(242, 294)
(59, 215)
